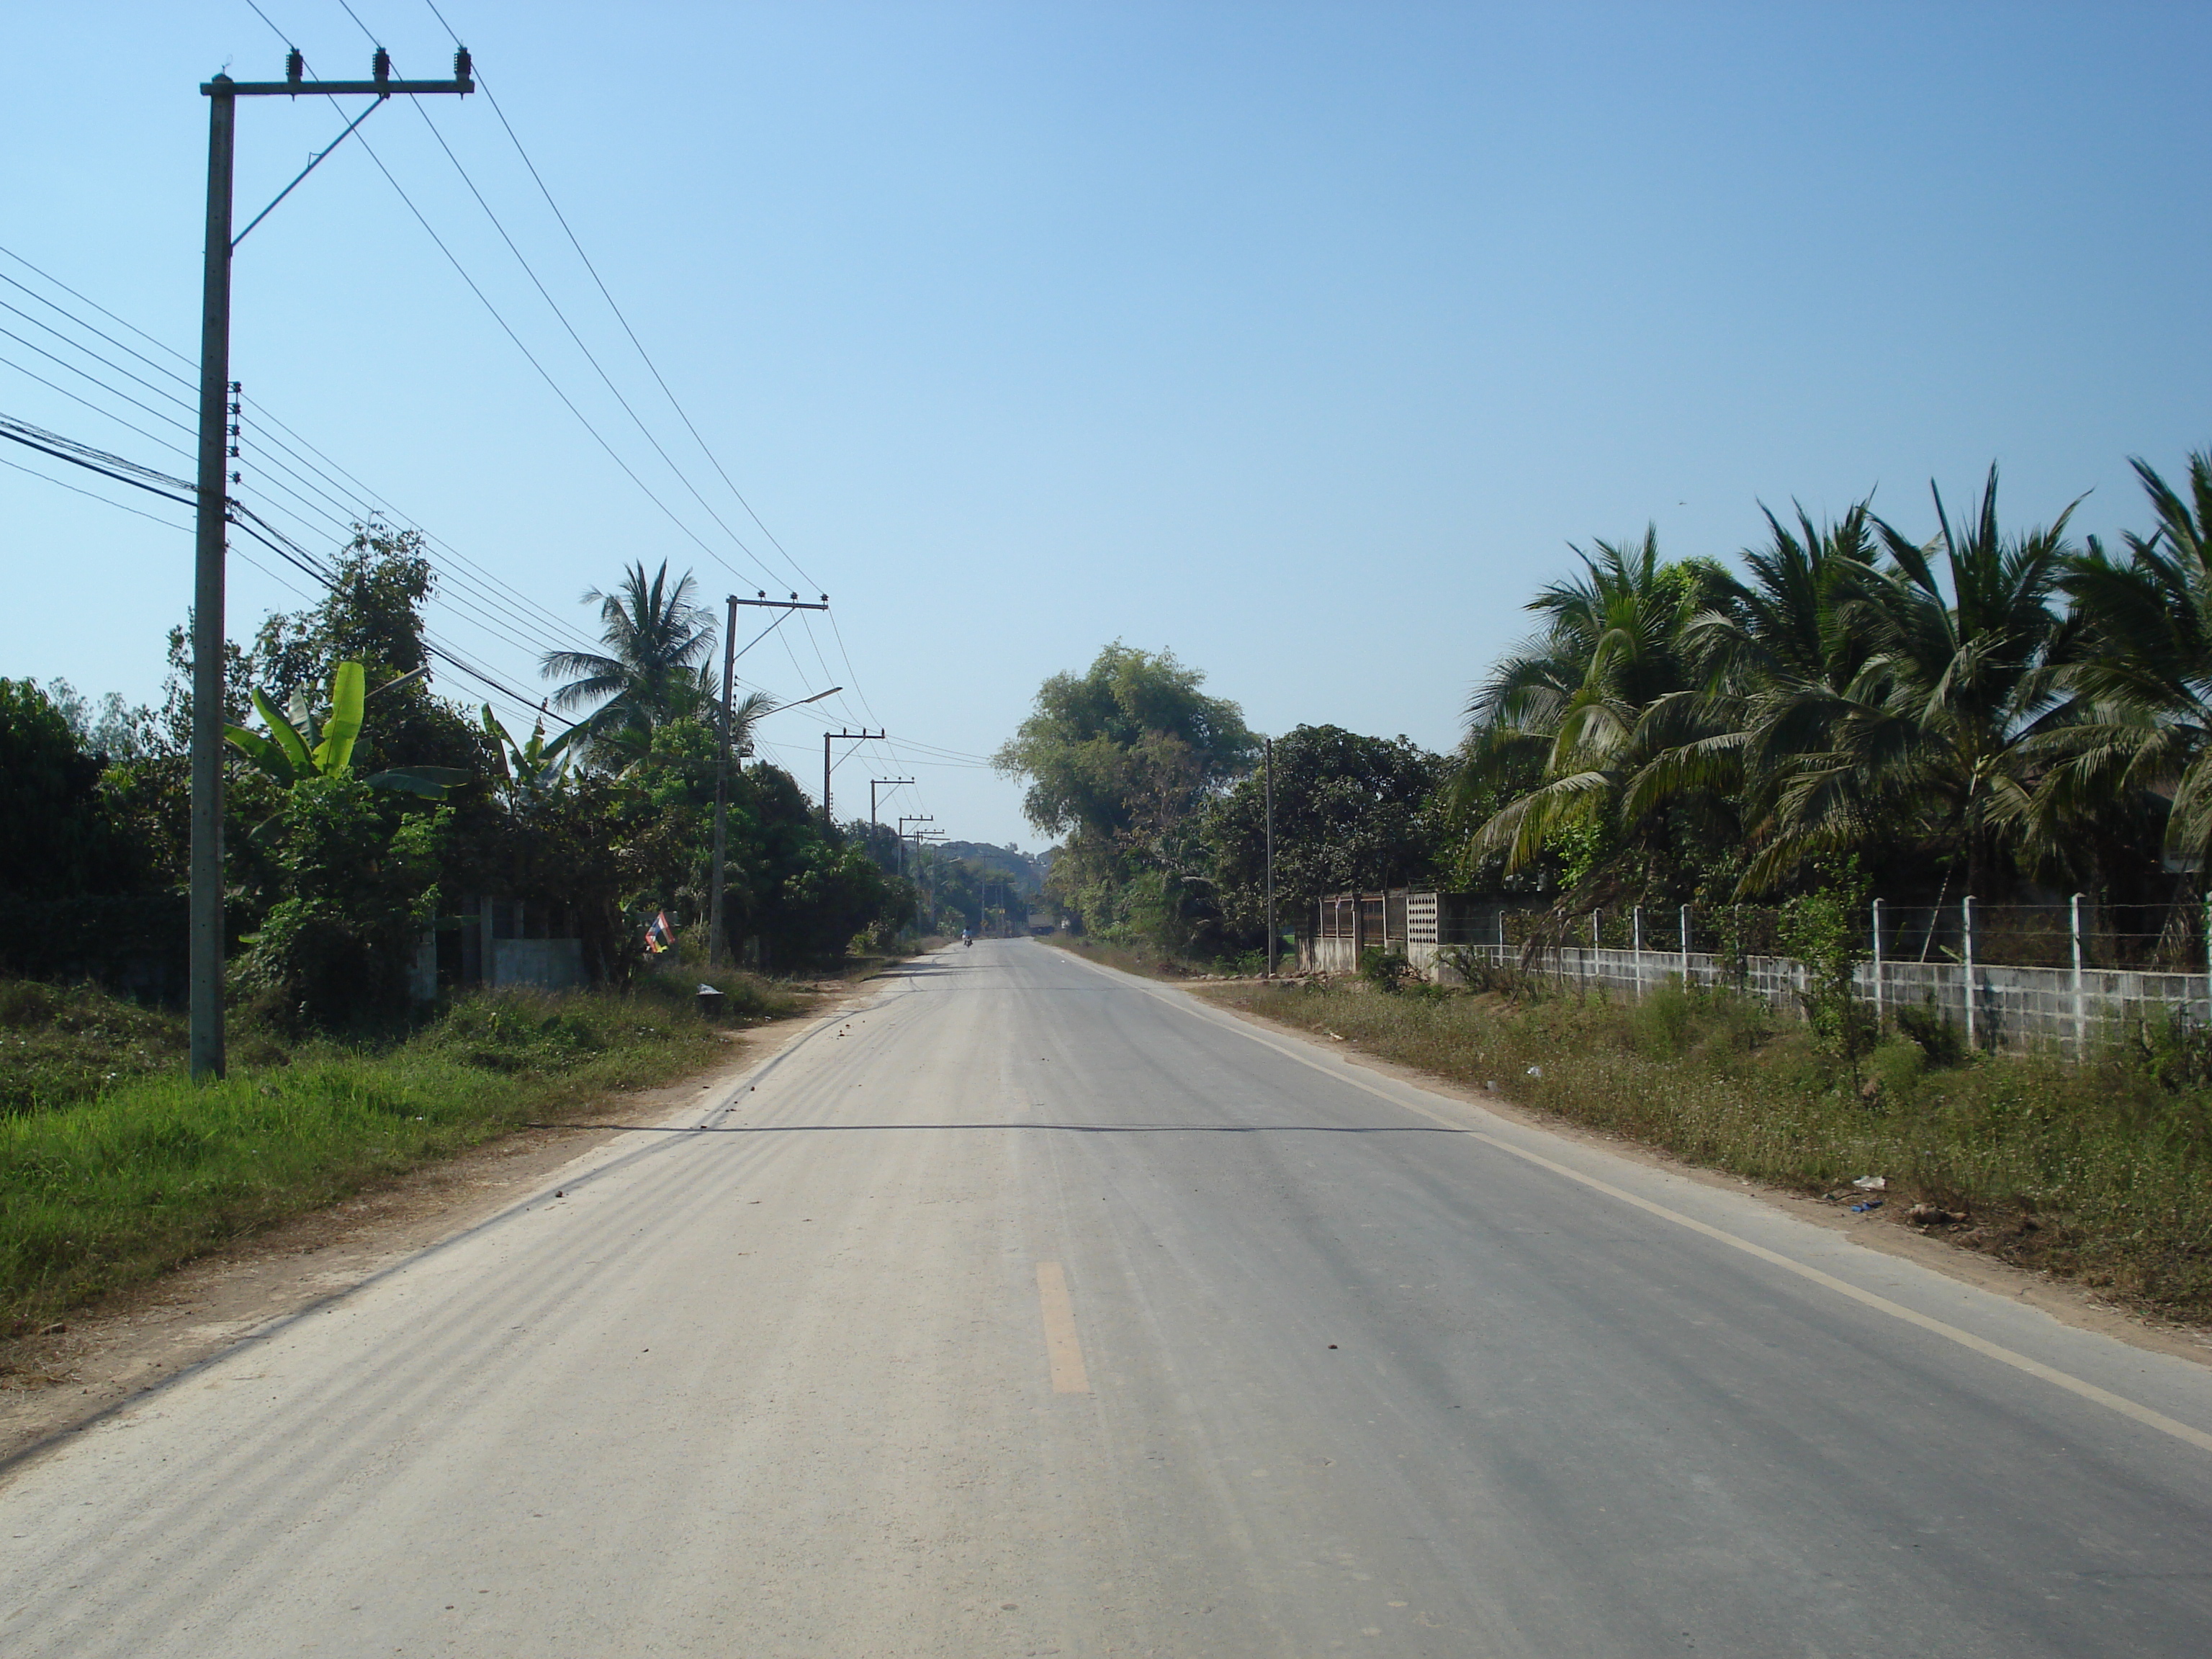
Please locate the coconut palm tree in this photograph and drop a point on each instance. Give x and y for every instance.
(2144, 672)
(1780, 662)
(654, 669)
(1930, 698)
(1560, 719)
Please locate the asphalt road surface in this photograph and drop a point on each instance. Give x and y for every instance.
(1033, 1309)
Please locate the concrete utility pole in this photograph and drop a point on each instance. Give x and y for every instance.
(912, 818)
(829, 823)
(921, 870)
(730, 655)
(1269, 744)
(873, 785)
(223, 94)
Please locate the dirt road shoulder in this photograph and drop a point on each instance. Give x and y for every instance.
(58, 1380)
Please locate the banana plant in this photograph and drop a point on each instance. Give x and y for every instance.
(537, 765)
(296, 747)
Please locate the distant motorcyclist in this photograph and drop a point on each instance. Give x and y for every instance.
(967, 938)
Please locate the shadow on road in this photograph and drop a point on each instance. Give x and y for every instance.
(1055, 1128)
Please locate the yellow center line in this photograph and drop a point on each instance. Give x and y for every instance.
(1060, 1346)
(2079, 1386)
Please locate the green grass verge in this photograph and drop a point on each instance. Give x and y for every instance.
(131, 1174)
(2100, 1171)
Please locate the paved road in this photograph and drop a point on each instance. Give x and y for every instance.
(1036, 1311)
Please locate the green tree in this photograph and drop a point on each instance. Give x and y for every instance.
(296, 747)
(1121, 760)
(1960, 631)
(59, 833)
(1778, 661)
(357, 889)
(1352, 813)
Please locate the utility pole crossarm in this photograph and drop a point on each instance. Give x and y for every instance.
(875, 784)
(380, 84)
(332, 89)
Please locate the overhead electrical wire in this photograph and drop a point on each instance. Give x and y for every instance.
(481, 584)
(33, 374)
(274, 451)
(75, 489)
(644, 355)
(852, 674)
(376, 506)
(545, 374)
(163, 391)
(852, 677)
(365, 497)
(589, 357)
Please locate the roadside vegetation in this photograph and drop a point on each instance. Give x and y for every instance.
(1984, 710)
(114, 1166)
(2099, 1171)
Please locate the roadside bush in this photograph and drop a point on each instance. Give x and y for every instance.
(358, 892)
(1386, 970)
(1939, 1039)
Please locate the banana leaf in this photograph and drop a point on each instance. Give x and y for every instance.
(431, 783)
(264, 754)
(333, 756)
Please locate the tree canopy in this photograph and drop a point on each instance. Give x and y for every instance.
(1352, 814)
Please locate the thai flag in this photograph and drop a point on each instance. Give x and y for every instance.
(658, 935)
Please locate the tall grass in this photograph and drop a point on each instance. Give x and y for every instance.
(141, 1172)
(2102, 1171)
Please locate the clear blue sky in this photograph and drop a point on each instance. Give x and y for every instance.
(1300, 340)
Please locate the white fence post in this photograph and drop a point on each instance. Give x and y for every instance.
(2080, 1031)
(1967, 967)
(1636, 946)
(1685, 947)
(1877, 965)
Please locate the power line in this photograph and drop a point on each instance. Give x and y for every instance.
(506, 328)
(92, 495)
(368, 500)
(162, 391)
(636, 419)
(244, 519)
(576, 243)
(379, 506)
(644, 355)
(459, 584)
(101, 309)
(106, 414)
